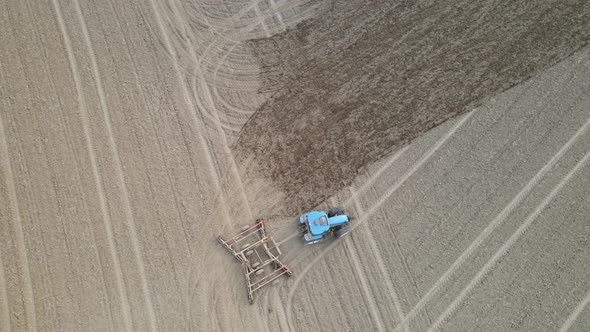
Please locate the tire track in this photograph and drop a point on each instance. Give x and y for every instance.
(80, 193)
(4, 304)
(225, 61)
(244, 31)
(498, 220)
(571, 319)
(159, 140)
(366, 185)
(225, 146)
(120, 176)
(200, 81)
(371, 179)
(503, 251)
(208, 115)
(126, 312)
(230, 21)
(247, 31)
(374, 208)
(386, 277)
(261, 22)
(191, 110)
(567, 80)
(397, 250)
(228, 29)
(373, 311)
(283, 323)
(29, 299)
(186, 144)
(62, 212)
(46, 284)
(277, 14)
(199, 61)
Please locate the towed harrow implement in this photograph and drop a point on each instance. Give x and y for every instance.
(258, 254)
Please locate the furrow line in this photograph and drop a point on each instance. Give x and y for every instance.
(364, 285)
(29, 299)
(283, 323)
(4, 304)
(191, 110)
(498, 220)
(571, 319)
(225, 145)
(120, 176)
(152, 122)
(97, 179)
(386, 277)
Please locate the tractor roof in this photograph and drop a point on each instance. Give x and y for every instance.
(317, 222)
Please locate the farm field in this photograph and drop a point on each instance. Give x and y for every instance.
(133, 133)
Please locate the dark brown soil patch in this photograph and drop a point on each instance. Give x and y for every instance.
(367, 77)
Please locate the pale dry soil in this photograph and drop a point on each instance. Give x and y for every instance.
(118, 129)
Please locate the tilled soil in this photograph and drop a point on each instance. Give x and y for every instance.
(364, 79)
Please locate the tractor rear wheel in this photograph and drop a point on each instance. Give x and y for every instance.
(342, 231)
(335, 212)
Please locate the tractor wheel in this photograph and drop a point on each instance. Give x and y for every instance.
(259, 272)
(342, 231)
(248, 253)
(335, 212)
(302, 228)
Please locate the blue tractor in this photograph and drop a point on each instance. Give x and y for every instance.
(319, 224)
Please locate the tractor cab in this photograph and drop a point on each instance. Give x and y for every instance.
(318, 224)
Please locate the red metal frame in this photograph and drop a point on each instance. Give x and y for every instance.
(266, 252)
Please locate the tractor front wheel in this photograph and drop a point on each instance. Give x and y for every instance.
(335, 212)
(342, 231)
